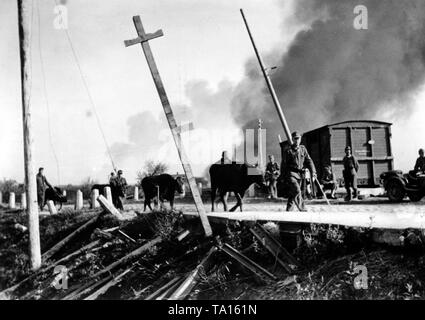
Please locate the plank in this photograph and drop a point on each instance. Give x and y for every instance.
(384, 220)
(48, 254)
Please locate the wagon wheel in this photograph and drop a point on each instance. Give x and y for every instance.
(395, 190)
(414, 196)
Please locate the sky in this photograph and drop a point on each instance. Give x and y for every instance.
(203, 41)
(201, 58)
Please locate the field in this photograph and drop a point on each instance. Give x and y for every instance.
(330, 256)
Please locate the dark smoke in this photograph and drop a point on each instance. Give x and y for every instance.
(333, 72)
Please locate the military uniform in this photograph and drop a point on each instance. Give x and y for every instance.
(118, 189)
(272, 173)
(329, 182)
(294, 161)
(41, 189)
(420, 164)
(351, 166)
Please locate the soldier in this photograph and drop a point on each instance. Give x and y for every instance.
(41, 188)
(271, 175)
(328, 181)
(118, 190)
(420, 163)
(111, 177)
(224, 158)
(295, 159)
(351, 167)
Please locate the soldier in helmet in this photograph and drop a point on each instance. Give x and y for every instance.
(420, 163)
(351, 167)
(295, 159)
(118, 190)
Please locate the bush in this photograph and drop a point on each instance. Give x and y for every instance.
(9, 185)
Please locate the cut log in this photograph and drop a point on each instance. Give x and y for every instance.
(132, 255)
(48, 254)
(87, 288)
(163, 289)
(107, 206)
(189, 283)
(44, 270)
(108, 285)
(246, 262)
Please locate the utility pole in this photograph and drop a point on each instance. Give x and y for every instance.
(260, 144)
(269, 84)
(30, 182)
(143, 38)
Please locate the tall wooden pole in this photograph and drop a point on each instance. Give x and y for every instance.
(269, 84)
(143, 38)
(30, 182)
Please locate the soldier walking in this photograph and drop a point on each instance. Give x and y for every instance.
(351, 167)
(118, 190)
(295, 159)
(41, 188)
(271, 175)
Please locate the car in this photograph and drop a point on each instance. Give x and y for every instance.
(398, 185)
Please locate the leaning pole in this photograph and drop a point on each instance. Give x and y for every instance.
(24, 7)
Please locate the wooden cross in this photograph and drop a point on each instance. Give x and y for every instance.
(143, 39)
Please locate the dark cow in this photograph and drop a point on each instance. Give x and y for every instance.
(56, 195)
(234, 178)
(167, 188)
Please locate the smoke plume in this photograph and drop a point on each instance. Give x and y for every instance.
(333, 72)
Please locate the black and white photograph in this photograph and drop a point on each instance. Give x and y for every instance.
(226, 151)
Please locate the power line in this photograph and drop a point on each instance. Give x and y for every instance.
(83, 78)
(45, 92)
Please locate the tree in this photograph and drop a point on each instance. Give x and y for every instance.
(86, 186)
(151, 168)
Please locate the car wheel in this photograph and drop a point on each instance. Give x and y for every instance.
(415, 197)
(395, 190)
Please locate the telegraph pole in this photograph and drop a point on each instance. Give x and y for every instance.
(144, 38)
(30, 182)
(269, 84)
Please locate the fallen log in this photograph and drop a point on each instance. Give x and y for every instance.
(132, 255)
(87, 288)
(108, 285)
(163, 289)
(384, 220)
(246, 262)
(48, 254)
(275, 248)
(192, 279)
(4, 293)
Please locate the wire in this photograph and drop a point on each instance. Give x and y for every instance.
(83, 78)
(45, 93)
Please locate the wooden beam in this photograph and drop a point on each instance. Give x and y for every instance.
(108, 285)
(384, 220)
(132, 255)
(48, 254)
(143, 39)
(24, 16)
(189, 283)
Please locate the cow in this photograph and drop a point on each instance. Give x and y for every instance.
(56, 195)
(236, 178)
(167, 187)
